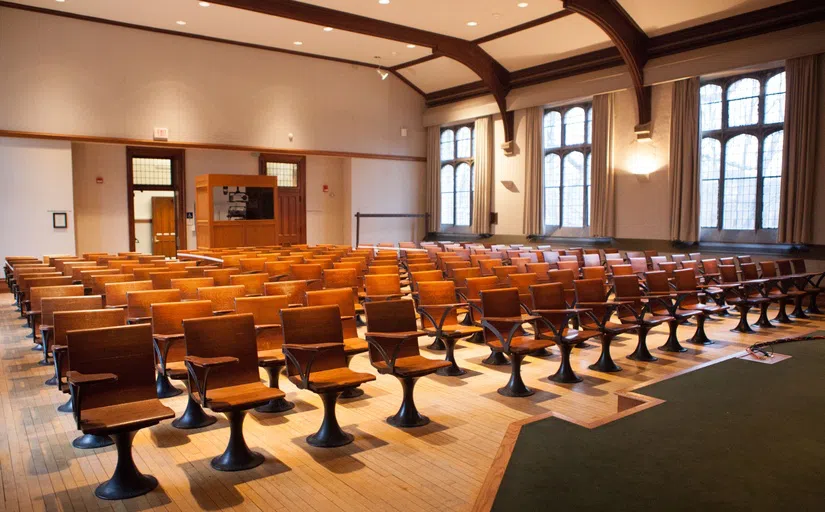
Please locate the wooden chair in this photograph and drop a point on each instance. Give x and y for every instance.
(111, 383)
(48, 307)
(99, 282)
(634, 306)
(502, 272)
(314, 350)
(782, 284)
(814, 281)
(655, 261)
(249, 265)
(163, 280)
(296, 291)
(115, 293)
(439, 307)
(37, 294)
(266, 311)
(28, 281)
(139, 303)
(345, 278)
(252, 283)
(188, 286)
(222, 297)
(592, 260)
(570, 265)
(224, 350)
(382, 287)
(799, 283)
(502, 318)
(170, 355)
(312, 273)
(668, 267)
(551, 305)
(692, 294)
(658, 284)
(221, 275)
(639, 266)
(771, 290)
(64, 322)
(743, 295)
(590, 294)
(392, 334)
(523, 282)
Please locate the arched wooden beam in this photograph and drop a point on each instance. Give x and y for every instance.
(630, 40)
(494, 76)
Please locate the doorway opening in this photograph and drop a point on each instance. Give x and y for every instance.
(292, 210)
(155, 191)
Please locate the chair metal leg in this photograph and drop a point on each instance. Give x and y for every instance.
(813, 307)
(782, 315)
(642, 353)
(672, 344)
(496, 359)
(565, 373)
(237, 455)
(164, 388)
(276, 404)
(700, 337)
(763, 321)
(67, 407)
(453, 370)
(127, 481)
(330, 434)
(515, 386)
(351, 392)
(437, 344)
(743, 325)
(194, 416)
(408, 415)
(605, 362)
(798, 310)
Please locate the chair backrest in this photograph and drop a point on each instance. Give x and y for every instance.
(744, 259)
(503, 271)
(628, 289)
(592, 260)
(267, 312)
(749, 271)
(639, 265)
(451, 265)
(710, 266)
(167, 317)
(590, 290)
(503, 302)
(252, 264)
(138, 304)
(392, 316)
(99, 282)
(678, 258)
(612, 256)
(729, 260)
(655, 261)
(70, 266)
(306, 271)
(728, 273)
(344, 298)
(475, 285)
(798, 265)
(50, 305)
(594, 273)
(221, 275)
(563, 276)
(38, 293)
(571, 265)
(222, 297)
(65, 321)
(432, 293)
(532, 256)
(228, 335)
(310, 325)
(417, 278)
(163, 280)
(540, 269)
(668, 267)
(784, 266)
(188, 286)
(124, 350)
(685, 281)
(277, 268)
(768, 268)
(295, 290)
(116, 292)
(341, 278)
(522, 282)
(635, 254)
(253, 283)
(695, 256)
(549, 296)
(657, 282)
(622, 270)
(382, 284)
(460, 275)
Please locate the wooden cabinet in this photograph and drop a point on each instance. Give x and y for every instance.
(217, 198)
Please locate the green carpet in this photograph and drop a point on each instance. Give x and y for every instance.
(737, 435)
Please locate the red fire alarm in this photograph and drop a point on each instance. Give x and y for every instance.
(326, 188)
(99, 180)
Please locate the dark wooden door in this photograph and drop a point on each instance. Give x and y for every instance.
(164, 234)
(292, 212)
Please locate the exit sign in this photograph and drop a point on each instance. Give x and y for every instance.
(160, 134)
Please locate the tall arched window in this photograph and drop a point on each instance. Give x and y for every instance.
(567, 138)
(457, 175)
(741, 121)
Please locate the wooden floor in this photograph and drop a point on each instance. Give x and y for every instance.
(438, 467)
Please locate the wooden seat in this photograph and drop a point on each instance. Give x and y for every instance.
(222, 297)
(115, 293)
(439, 307)
(65, 322)
(252, 283)
(296, 291)
(633, 310)
(222, 359)
(314, 348)
(188, 286)
(111, 378)
(502, 318)
(590, 294)
(266, 311)
(550, 304)
(138, 303)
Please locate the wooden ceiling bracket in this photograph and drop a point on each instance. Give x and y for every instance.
(630, 40)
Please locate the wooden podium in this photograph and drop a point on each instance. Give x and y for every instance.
(213, 231)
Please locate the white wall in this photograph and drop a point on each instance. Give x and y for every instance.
(325, 211)
(76, 77)
(37, 180)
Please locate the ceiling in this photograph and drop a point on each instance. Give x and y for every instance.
(562, 36)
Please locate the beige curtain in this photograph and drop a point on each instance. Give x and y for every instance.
(684, 161)
(483, 194)
(434, 178)
(796, 206)
(533, 158)
(602, 173)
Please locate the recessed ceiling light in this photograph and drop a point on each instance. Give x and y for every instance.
(410, 46)
(181, 22)
(327, 29)
(472, 23)
(204, 4)
(522, 4)
(383, 2)
(298, 43)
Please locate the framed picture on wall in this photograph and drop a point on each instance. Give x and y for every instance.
(60, 220)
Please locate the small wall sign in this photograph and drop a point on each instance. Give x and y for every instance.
(60, 220)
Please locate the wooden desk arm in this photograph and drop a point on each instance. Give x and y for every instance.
(396, 335)
(393, 296)
(315, 349)
(265, 327)
(77, 381)
(205, 364)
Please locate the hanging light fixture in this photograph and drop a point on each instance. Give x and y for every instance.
(382, 73)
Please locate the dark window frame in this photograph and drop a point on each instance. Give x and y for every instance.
(761, 131)
(455, 162)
